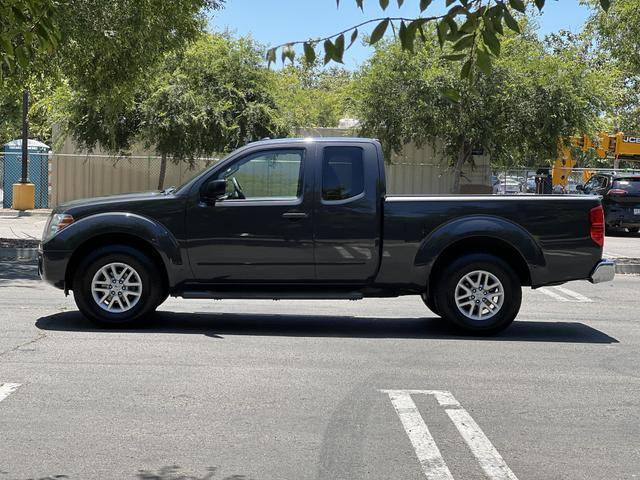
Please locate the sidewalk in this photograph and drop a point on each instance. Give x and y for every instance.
(20, 226)
(20, 231)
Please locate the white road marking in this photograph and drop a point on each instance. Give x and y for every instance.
(570, 293)
(573, 296)
(488, 457)
(433, 465)
(552, 294)
(7, 389)
(428, 453)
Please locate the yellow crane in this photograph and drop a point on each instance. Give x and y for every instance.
(619, 146)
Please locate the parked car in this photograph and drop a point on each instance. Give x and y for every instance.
(310, 218)
(508, 185)
(530, 184)
(620, 198)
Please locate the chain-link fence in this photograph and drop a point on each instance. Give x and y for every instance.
(11, 172)
(523, 180)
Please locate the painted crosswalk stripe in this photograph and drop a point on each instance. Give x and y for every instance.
(428, 453)
(488, 457)
(7, 389)
(433, 465)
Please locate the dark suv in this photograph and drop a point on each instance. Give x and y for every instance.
(620, 198)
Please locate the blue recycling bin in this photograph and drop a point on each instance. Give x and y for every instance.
(38, 170)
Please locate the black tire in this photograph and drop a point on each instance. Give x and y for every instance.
(430, 302)
(633, 229)
(151, 294)
(447, 282)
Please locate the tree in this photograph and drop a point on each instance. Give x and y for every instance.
(310, 96)
(472, 29)
(617, 34)
(98, 54)
(26, 28)
(517, 113)
(212, 99)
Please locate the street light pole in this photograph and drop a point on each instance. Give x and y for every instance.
(25, 136)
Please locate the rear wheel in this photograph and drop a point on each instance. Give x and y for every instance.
(114, 286)
(479, 293)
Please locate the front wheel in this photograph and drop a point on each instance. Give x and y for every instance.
(479, 293)
(114, 286)
(633, 229)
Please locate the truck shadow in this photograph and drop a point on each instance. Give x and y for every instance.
(216, 325)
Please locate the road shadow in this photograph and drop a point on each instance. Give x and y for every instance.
(216, 325)
(621, 233)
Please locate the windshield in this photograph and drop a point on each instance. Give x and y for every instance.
(192, 174)
(630, 185)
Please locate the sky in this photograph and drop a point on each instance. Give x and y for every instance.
(273, 22)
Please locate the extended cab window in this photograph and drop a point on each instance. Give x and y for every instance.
(342, 173)
(271, 175)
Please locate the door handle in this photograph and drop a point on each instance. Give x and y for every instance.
(295, 215)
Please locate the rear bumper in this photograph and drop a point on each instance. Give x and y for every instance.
(622, 217)
(605, 271)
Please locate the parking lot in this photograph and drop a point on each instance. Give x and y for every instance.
(320, 390)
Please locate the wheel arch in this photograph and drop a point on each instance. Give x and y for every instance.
(113, 239)
(487, 245)
(481, 234)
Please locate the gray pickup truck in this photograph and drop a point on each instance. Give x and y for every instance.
(310, 219)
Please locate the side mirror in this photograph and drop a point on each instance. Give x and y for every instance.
(214, 190)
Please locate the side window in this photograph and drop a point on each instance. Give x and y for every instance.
(592, 183)
(270, 175)
(342, 173)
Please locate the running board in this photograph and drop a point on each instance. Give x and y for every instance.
(273, 295)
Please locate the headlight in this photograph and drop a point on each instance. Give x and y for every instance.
(56, 222)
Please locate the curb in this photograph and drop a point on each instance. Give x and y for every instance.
(18, 253)
(628, 268)
(10, 213)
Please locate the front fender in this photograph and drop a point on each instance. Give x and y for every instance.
(479, 226)
(123, 223)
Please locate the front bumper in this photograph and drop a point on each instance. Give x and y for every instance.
(605, 271)
(52, 266)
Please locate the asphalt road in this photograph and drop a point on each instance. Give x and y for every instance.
(291, 390)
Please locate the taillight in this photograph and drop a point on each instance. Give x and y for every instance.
(596, 217)
(617, 191)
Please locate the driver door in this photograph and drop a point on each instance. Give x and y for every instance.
(262, 231)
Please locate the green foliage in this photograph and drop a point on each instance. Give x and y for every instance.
(27, 27)
(617, 35)
(212, 99)
(309, 96)
(516, 112)
(475, 28)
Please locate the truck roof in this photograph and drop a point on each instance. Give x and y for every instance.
(272, 141)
